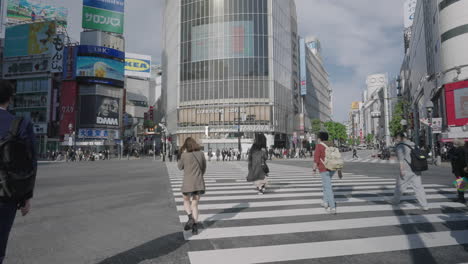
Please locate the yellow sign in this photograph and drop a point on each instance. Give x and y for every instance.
(355, 105)
(137, 65)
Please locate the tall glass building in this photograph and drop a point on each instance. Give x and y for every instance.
(230, 64)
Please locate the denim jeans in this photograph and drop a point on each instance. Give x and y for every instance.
(328, 196)
(7, 216)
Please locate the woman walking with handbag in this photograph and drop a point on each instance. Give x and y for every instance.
(192, 161)
(258, 169)
(458, 160)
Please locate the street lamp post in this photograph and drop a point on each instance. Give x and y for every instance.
(430, 109)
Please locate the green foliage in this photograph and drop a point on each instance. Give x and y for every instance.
(398, 115)
(336, 131)
(316, 126)
(370, 139)
(353, 141)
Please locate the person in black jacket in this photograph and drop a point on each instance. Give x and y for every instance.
(9, 206)
(458, 159)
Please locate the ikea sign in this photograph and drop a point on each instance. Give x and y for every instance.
(137, 65)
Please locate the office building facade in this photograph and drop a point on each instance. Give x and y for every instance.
(230, 65)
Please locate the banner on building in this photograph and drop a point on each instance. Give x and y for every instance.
(69, 62)
(104, 15)
(355, 105)
(29, 66)
(409, 10)
(31, 11)
(99, 51)
(137, 65)
(29, 39)
(58, 48)
(68, 95)
(456, 96)
(302, 66)
(98, 133)
(101, 111)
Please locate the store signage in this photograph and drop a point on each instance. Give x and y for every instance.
(69, 63)
(89, 50)
(104, 15)
(137, 65)
(15, 68)
(40, 129)
(221, 110)
(57, 54)
(98, 133)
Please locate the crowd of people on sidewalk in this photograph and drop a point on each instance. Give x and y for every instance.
(79, 155)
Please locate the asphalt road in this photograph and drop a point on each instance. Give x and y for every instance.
(124, 212)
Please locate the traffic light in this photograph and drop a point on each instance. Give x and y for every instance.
(151, 113)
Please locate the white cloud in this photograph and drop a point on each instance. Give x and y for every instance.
(361, 36)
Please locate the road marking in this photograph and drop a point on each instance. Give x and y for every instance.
(329, 248)
(291, 195)
(327, 225)
(309, 202)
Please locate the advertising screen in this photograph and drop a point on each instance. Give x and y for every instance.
(209, 41)
(36, 11)
(100, 70)
(137, 65)
(68, 92)
(104, 15)
(456, 95)
(99, 111)
(29, 39)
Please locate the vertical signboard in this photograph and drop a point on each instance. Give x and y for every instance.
(69, 62)
(104, 15)
(57, 53)
(302, 65)
(68, 95)
(409, 10)
(456, 96)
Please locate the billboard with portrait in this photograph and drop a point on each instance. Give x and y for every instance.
(29, 39)
(104, 15)
(36, 11)
(100, 70)
(137, 65)
(456, 95)
(99, 111)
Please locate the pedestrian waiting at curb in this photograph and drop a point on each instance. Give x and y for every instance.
(18, 167)
(328, 160)
(458, 159)
(412, 163)
(258, 169)
(192, 161)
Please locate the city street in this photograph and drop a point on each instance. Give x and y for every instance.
(131, 212)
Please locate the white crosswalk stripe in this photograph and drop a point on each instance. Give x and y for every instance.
(243, 227)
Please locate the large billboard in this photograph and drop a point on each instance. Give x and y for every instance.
(68, 93)
(104, 15)
(29, 39)
(208, 41)
(100, 65)
(36, 11)
(100, 70)
(137, 65)
(456, 95)
(409, 10)
(100, 111)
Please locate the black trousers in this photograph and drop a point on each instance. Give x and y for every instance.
(7, 216)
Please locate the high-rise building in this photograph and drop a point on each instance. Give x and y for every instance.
(315, 84)
(229, 66)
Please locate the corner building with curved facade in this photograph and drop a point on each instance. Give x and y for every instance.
(230, 62)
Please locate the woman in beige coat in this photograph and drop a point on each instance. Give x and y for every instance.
(192, 162)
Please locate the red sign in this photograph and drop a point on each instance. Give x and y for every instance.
(456, 97)
(68, 95)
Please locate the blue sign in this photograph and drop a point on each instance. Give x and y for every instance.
(111, 5)
(302, 65)
(87, 50)
(98, 133)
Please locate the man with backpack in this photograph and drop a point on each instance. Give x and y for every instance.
(18, 166)
(412, 162)
(328, 160)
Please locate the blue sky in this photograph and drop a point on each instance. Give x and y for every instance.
(359, 38)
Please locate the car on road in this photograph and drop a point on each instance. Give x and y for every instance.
(362, 147)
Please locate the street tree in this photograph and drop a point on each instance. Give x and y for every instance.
(336, 131)
(316, 126)
(398, 115)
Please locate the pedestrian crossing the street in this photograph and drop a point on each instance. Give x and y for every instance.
(288, 224)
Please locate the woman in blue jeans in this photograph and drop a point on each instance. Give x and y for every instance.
(319, 155)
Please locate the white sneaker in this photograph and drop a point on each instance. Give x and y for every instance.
(331, 211)
(425, 208)
(325, 205)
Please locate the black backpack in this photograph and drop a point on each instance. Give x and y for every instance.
(418, 159)
(17, 173)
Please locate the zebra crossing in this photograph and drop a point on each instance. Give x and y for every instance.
(370, 160)
(288, 224)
